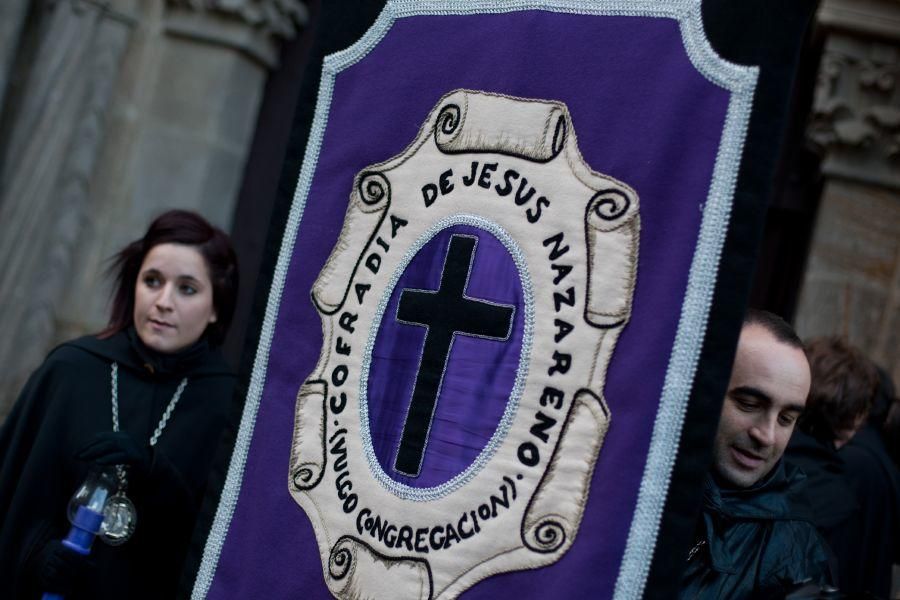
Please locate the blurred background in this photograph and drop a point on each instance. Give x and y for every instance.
(112, 111)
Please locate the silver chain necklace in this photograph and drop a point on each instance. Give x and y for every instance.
(119, 515)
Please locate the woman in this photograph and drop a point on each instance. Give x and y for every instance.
(151, 393)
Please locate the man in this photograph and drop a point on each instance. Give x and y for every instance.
(754, 538)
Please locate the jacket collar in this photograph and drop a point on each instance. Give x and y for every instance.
(779, 496)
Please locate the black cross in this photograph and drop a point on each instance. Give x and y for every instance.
(444, 312)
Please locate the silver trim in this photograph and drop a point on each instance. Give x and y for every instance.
(740, 80)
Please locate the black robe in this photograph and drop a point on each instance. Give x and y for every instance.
(876, 480)
(835, 509)
(67, 402)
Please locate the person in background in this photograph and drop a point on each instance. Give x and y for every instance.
(842, 393)
(840, 400)
(875, 479)
(754, 538)
(149, 397)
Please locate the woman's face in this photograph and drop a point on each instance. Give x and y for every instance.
(173, 298)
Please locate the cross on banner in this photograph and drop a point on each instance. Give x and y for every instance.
(445, 312)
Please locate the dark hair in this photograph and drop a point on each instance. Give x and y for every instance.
(843, 387)
(780, 329)
(177, 227)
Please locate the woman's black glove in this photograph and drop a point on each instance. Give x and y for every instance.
(117, 448)
(59, 570)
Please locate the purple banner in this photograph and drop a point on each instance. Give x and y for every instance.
(643, 114)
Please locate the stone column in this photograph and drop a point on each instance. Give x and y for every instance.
(50, 155)
(138, 106)
(12, 22)
(852, 281)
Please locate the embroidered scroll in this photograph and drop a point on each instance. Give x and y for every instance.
(484, 273)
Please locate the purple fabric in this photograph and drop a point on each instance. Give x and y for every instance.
(642, 114)
(476, 367)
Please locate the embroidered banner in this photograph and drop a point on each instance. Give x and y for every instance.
(488, 308)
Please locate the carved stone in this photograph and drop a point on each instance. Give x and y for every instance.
(856, 114)
(52, 152)
(252, 26)
(856, 111)
(852, 282)
(864, 18)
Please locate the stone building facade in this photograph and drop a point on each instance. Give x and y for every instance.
(851, 285)
(114, 110)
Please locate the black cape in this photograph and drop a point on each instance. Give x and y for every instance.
(67, 402)
(835, 509)
(876, 481)
(757, 542)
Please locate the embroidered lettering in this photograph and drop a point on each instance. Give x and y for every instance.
(567, 299)
(508, 177)
(429, 193)
(436, 537)
(485, 179)
(552, 397)
(397, 222)
(346, 321)
(361, 289)
(563, 328)
(561, 363)
(539, 429)
(558, 249)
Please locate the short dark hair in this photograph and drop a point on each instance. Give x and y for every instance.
(843, 387)
(780, 329)
(177, 227)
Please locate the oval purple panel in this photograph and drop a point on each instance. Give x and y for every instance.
(445, 359)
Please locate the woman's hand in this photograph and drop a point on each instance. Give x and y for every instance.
(117, 448)
(59, 570)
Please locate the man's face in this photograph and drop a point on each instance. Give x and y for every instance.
(767, 392)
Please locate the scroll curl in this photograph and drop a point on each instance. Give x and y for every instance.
(612, 228)
(448, 123)
(341, 561)
(308, 458)
(608, 205)
(557, 505)
(373, 188)
(546, 535)
(470, 121)
(357, 571)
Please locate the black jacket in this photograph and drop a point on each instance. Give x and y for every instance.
(876, 481)
(835, 510)
(65, 403)
(756, 542)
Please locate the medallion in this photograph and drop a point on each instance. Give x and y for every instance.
(119, 520)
